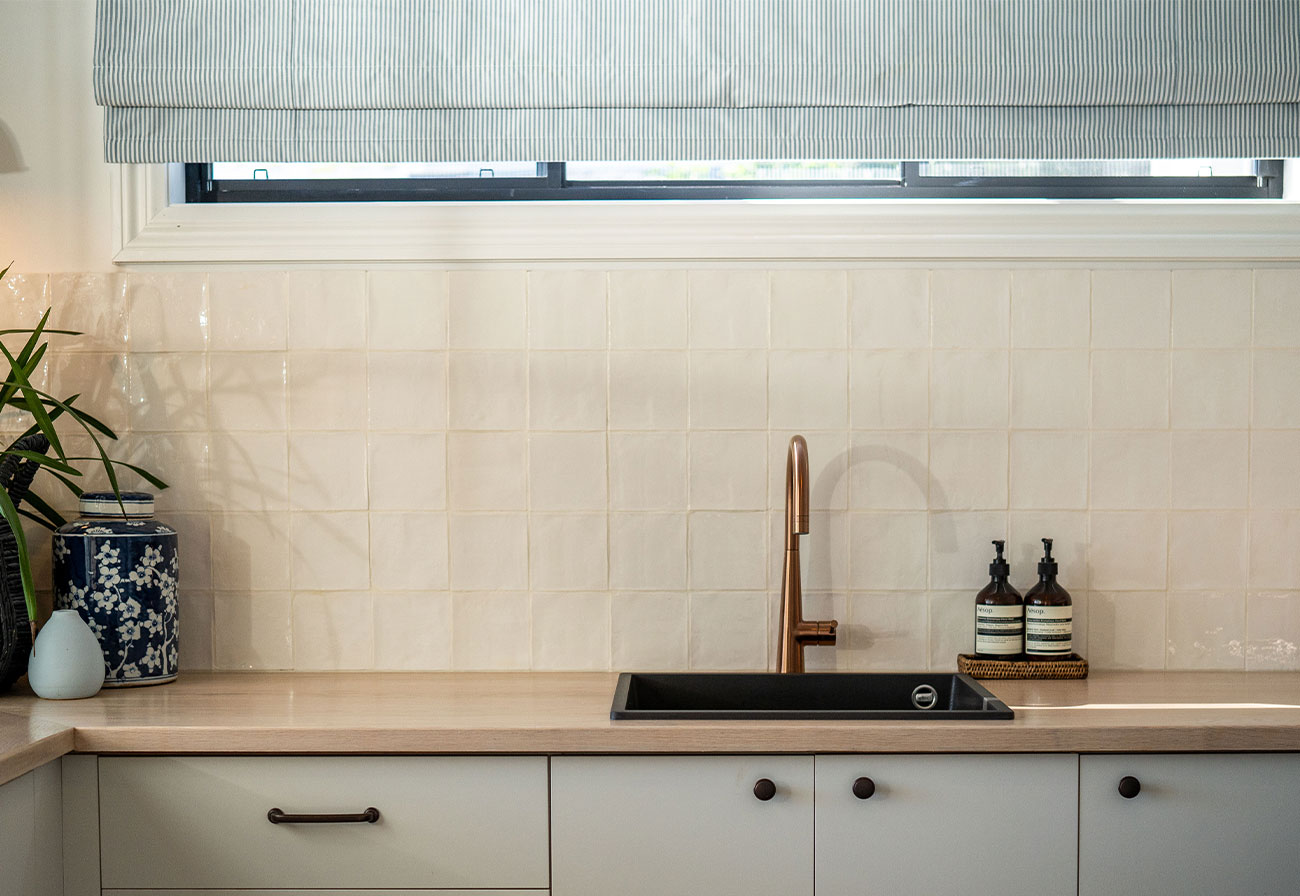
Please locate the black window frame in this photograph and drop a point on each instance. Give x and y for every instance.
(553, 185)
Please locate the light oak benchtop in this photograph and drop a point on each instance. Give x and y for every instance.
(568, 712)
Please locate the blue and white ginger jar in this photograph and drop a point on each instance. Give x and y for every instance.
(120, 572)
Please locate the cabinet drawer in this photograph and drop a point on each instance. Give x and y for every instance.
(445, 822)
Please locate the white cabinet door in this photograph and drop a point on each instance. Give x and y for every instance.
(947, 824)
(1198, 824)
(681, 826)
(31, 835)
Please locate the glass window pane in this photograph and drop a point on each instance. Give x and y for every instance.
(1100, 168)
(793, 169)
(356, 171)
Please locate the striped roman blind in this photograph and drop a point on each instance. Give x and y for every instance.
(445, 80)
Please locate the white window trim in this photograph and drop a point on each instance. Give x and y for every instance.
(154, 227)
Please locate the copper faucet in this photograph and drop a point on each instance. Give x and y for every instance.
(796, 632)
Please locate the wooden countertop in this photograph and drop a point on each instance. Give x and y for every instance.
(537, 712)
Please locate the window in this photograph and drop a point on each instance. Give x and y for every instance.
(798, 179)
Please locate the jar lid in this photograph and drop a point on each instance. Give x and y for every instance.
(105, 504)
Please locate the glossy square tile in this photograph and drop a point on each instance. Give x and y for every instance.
(886, 631)
(968, 389)
(1130, 309)
(728, 630)
(1049, 470)
(951, 629)
(487, 390)
(1273, 630)
(968, 470)
(1212, 309)
(168, 392)
(487, 471)
(1210, 390)
(959, 548)
(25, 298)
(647, 551)
(412, 630)
(1206, 630)
(810, 309)
(94, 305)
(1210, 469)
(828, 468)
(808, 390)
(329, 551)
(333, 630)
(647, 309)
(1126, 630)
(1069, 533)
(1274, 561)
(887, 551)
(889, 309)
(168, 312)
(727, 551)
(568, 551)
(1050, 308)
(407, 310)
(1128, 551)
(728, 390)
(1274, 484)
(649, 631)
(327, 309)
(407, 390)
(488, 551)
(567, 471)
(567, 309)
(889, 471)
(1050, 389)
(327, 471)
(486, 310)
(1276, 400)
(408, 471)
(568, 390)
(250, 551)
(728, 471)
(1129, 470)
(728, 309)
(1130, 390)
(408, 551)
(327, 390)
(648, 471)
(196, 647)
(249, 471)
(647, 390)
(1277, 308)
(491, 630)
(252, 630)
(889, 390)
(1207, 550)
(248, 391)
(571, 630)
(248, 311)
(970, 308)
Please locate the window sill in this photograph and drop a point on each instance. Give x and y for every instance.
(153, 230)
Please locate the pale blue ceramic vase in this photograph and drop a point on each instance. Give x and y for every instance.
(66, 662)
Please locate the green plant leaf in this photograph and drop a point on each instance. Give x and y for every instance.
(34, 404)
(44, 460)
(46, 515)
(10, 513)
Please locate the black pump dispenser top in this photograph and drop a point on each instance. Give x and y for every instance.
(999, 568)
(1047, 566)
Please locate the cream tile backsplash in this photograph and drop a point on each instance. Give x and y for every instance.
(577, 469)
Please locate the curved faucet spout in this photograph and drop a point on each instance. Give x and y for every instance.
(796, 632)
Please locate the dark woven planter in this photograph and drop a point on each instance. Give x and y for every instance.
(15, 629)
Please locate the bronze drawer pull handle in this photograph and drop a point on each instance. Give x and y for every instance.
(278, 816)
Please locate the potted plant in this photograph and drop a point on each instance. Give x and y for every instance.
(39, 447)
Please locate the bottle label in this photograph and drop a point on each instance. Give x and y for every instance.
(999, 631)
(1049, 631)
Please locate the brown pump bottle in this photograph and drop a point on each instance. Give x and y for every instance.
(1049, 614)
(999, 614)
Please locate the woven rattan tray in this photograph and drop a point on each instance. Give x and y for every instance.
(1074, 666)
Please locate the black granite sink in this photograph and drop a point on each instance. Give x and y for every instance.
(811, 695)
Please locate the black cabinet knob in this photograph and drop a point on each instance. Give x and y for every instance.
(764, 789)
(1129, 787)
(863, 788)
